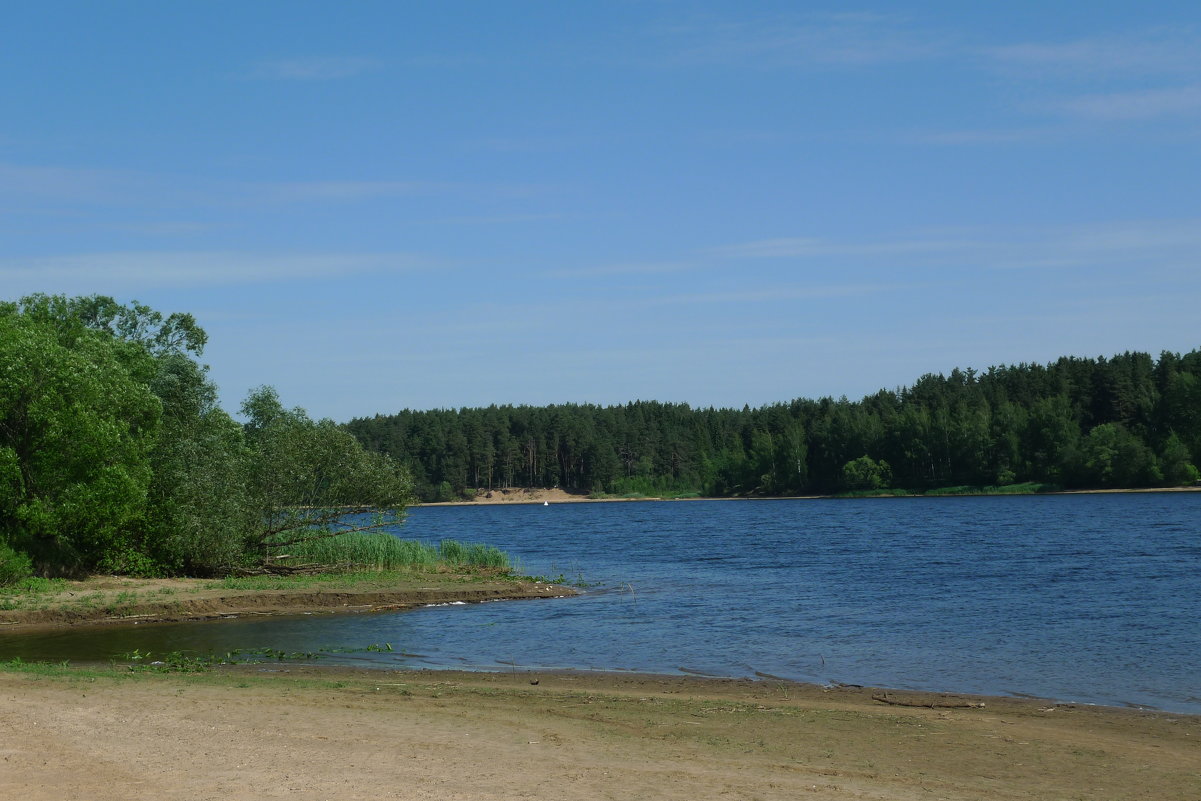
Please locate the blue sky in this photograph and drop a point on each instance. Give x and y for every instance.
(380, 205)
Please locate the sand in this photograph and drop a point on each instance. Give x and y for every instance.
(535, 495)
(305, 733)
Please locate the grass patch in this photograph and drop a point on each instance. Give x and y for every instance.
(30, 593)
(18, 665)
(37, 584)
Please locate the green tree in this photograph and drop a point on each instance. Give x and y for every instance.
(1114, 457)
(1176, 463)
(200, 515)
(866, 473)
(76, 429)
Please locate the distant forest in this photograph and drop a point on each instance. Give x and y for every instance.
(1126, 421)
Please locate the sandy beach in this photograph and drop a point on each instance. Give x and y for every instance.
(265, 732)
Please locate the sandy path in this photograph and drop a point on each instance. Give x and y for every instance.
(322, 734)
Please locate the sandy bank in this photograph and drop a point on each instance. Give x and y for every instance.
(309, 734)
(534, 495)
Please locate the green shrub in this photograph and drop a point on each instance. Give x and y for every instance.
(14, 566)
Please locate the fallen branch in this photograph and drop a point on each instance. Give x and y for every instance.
(935, 704)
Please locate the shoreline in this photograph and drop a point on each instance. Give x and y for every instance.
(288, 731)
(211, 603)
(537, 496)
(119, 601)
(701, 683)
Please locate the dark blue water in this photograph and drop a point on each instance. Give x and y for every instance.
(1091, 598)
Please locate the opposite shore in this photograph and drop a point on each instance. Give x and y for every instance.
(554, 495)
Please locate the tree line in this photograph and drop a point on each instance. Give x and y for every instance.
(116, 457)
(1120, 422)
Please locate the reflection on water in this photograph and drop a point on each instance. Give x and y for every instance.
(1088, 598)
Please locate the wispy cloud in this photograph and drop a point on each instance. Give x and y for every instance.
(1136, 75)
(313, 69)
(807, 247)
(21, 184)
(772, 295)
(494, 219)
(1157, 240)
(631, 268)
(339, 191)
(146, 270)
(1165, 244)
(356, 191)
(978, 137)
(1160, 51)
(70, 184)
(831, 40)
(162, 228)
(1136, 105)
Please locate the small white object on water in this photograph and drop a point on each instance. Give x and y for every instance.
(546, 503)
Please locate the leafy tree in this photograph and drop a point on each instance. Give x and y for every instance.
(200, 515)
(1052, 441)
(866, 473)
(76, 430)
(1114, 457)
(1176, 463)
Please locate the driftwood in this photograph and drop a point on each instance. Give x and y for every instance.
(936, 703)
(268, 567)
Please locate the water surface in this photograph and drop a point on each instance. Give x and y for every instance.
(1091, 598)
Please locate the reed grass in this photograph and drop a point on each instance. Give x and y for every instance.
(380, 551)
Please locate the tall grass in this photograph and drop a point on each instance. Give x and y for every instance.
(472, 554)
(380, 551)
